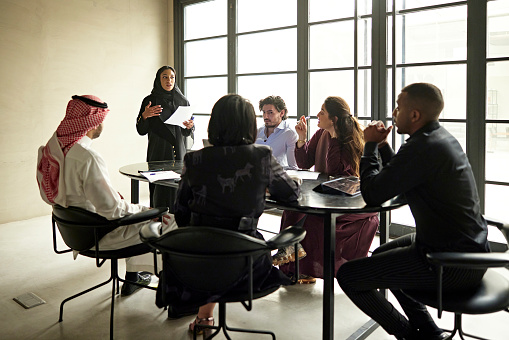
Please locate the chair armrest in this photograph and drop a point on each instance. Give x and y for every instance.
(469, 260)
(142, 216)
(287, 237)
(503, 226)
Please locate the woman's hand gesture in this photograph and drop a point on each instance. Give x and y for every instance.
(151, 111)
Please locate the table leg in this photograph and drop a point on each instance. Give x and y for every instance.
(329, 249)
(135, 191)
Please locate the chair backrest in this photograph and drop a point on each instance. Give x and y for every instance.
(80, 228)
(208, 259)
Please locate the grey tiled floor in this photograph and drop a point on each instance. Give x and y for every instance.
(30, 265)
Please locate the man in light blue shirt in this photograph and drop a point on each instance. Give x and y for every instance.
(277, 132)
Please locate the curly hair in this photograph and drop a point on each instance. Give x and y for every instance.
(278, 103)
(348, 130)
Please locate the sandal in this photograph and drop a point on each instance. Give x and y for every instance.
(287, 255)
(303, 279)
(200, 321)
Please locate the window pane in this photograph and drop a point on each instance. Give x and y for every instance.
(497, 152)
(212, 16)
(450, 79)
(330, 9)
(331, 45)
(325, 84)
(364, 42)
(388, 53)
(498, 30)
(407, 4)
(205, 57)
(267, 52)
(435, 35)
(205, 92)
(263, 14)
(496, 201)
(256, 88)
(364, 94)
(497, 82)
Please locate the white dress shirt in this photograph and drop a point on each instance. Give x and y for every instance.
(282, 141)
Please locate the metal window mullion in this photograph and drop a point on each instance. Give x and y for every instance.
(178, 42)
(232, 46)
(355, 61)
(303, 60)
(378, 57)
(476, 92)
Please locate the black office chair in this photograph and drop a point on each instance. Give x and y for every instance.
(491, 296)
(210, 259)
(81, 230)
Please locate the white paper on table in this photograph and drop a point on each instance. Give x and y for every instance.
(182, 114)
(303, 174)
(153, 176)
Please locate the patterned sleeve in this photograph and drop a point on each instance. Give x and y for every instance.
(281, 186)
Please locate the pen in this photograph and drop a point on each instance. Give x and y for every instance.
(192, 117)
(151, 170)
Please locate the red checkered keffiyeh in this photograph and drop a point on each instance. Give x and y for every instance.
(80, 118)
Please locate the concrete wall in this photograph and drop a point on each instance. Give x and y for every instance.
(53, 49)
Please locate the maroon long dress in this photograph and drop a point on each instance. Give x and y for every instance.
(354, 232)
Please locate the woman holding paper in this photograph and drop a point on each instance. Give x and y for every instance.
(165, 141)
(335, 149)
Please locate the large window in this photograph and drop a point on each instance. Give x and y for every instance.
(365, 52)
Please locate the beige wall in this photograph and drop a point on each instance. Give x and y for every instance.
(53, 49)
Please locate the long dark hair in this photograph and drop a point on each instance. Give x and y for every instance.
(232, 122)
(348, 130)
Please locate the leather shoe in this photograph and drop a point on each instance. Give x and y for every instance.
(441, 336)
(144, 279)
(434, 336)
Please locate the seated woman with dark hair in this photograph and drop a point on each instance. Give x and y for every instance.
(335, 149)
(224, 183)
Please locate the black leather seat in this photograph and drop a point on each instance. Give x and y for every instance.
(492, 295)
(209, 259)
(81, 231)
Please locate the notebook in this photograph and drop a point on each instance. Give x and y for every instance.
(343, 185)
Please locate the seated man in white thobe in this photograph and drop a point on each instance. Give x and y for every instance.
(71, 173)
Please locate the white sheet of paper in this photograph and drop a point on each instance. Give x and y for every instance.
(302, 174)
(153, 176)
(182, 114)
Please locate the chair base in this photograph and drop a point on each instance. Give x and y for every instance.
(458, 328)
(222, 326)
(115, 279)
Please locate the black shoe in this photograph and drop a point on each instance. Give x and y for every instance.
(144, 279)
(176, 313)
(435, 336)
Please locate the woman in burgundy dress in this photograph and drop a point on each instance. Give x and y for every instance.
(335, 149)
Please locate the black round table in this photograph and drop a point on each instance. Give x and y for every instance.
(311, 201)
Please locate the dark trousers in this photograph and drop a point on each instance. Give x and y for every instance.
(163, 196)
(398, 265)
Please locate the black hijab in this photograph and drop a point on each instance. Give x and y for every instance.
(169, 100)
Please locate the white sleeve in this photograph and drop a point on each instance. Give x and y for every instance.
(99, 191)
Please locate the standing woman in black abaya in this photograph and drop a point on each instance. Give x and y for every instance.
(165, 142)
